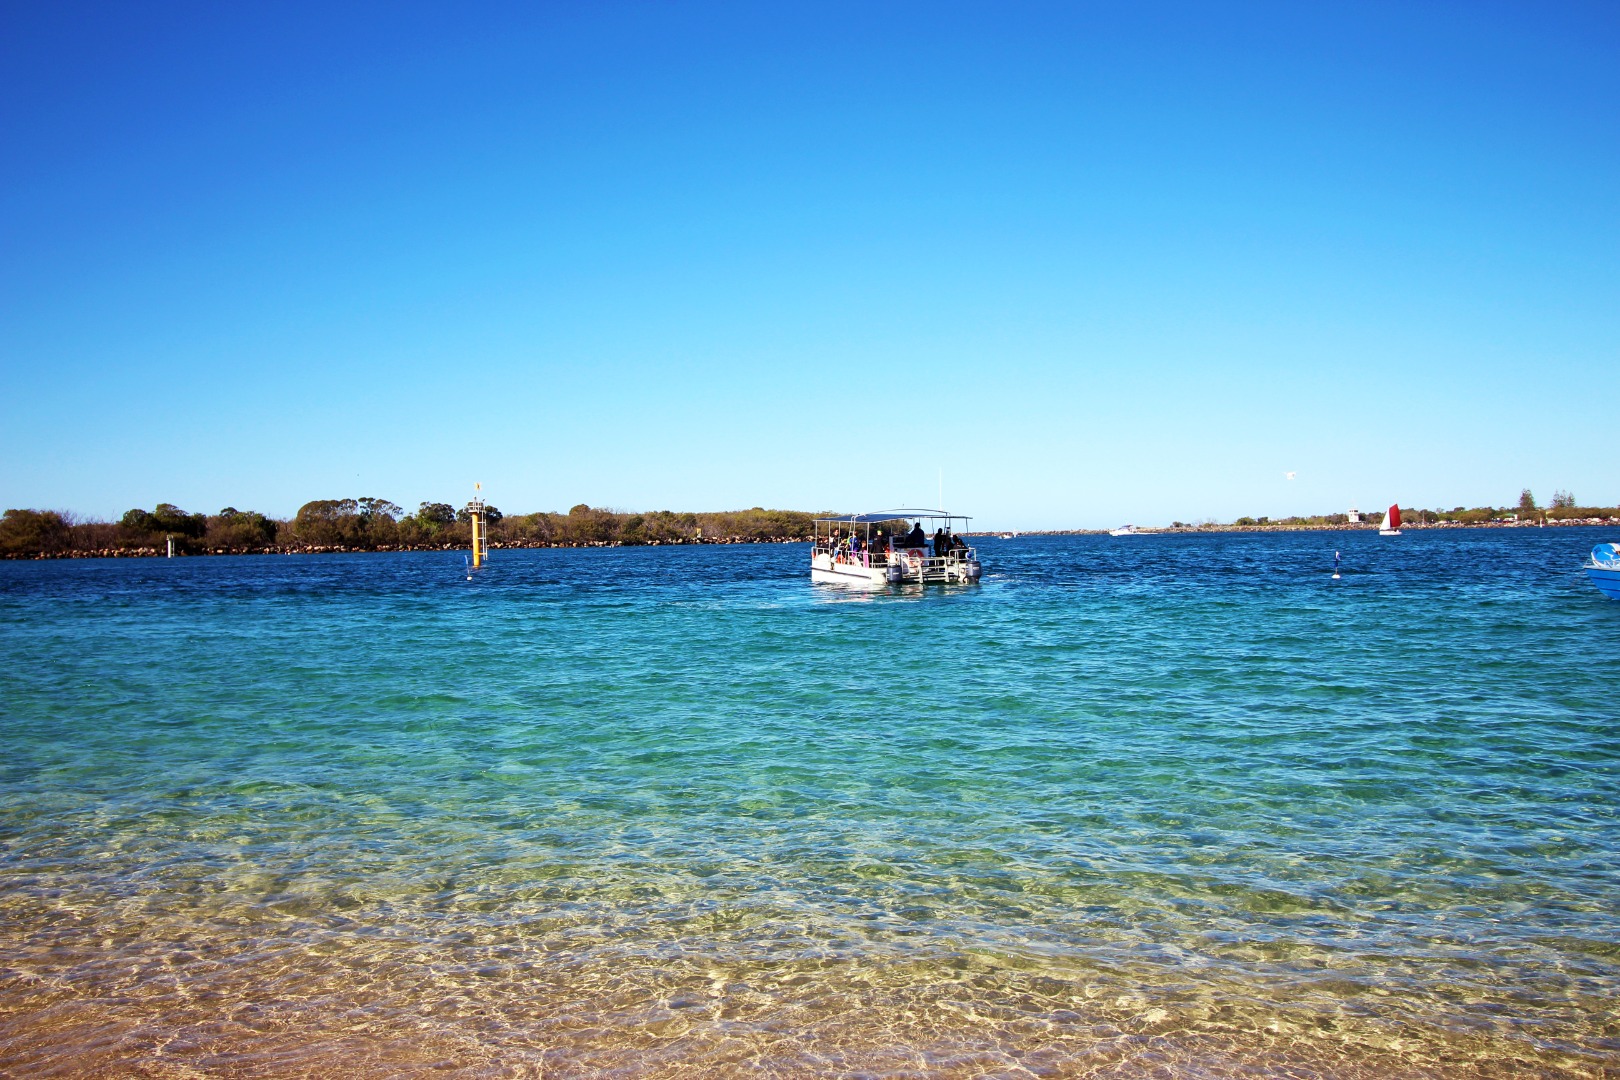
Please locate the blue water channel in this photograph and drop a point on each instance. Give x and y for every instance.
(1133, 804)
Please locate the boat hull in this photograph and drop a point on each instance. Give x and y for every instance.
(824, 570)
(898, 569)
(1606, 580)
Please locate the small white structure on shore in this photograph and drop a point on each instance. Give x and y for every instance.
(1354, 516)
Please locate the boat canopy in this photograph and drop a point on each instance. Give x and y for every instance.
(1606, 556)
(893, 515)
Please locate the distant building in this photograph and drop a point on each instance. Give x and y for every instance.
(1354, 516)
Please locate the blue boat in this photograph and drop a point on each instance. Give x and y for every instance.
(1604, 570)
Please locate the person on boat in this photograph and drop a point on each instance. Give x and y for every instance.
(917, 537)
(940, 542)
(883, 542)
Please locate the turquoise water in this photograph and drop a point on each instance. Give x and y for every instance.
(1133, 807)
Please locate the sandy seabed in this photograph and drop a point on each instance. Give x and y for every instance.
(87, 992)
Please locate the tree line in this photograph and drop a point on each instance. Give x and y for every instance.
(1562, 508)
(373, 524)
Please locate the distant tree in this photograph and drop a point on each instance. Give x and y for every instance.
(759, 524)
(491, 514)
(662, 526)
(25, 532)
(233, 528)
(327, 521)
(354, 523)
(432, 515)
(1527, 501)
(378, 509)
(169, 518)
(327, 510)
(1563, 500)
(138, 521)
(587, 525)
(533, 528)
(166, 519)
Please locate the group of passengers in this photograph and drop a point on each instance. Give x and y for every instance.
(843, 548)
(943, 542)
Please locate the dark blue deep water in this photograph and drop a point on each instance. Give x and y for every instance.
(1149, 806)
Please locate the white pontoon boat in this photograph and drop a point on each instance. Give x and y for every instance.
(892, 547)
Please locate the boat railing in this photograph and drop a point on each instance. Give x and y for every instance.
(915, 560)
(922, 557)
(841, 554)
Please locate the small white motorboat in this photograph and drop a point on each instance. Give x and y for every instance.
(1603, 568)
(879, 549)
(1124, 530)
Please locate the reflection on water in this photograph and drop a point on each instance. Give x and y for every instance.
(1173, 807)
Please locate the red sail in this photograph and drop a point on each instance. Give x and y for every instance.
(1393, 521)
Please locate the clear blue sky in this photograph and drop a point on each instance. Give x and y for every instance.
(1102, 262)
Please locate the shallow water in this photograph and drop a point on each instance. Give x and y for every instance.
(1147, 806)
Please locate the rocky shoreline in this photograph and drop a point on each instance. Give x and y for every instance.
(340, 549)
(1406, 526)
(519, 544)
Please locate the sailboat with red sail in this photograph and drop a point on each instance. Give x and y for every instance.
(1392, 522)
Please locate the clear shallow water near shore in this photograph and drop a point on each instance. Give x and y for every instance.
(1141, 806)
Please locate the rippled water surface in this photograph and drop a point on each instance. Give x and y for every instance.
(1151, 806)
